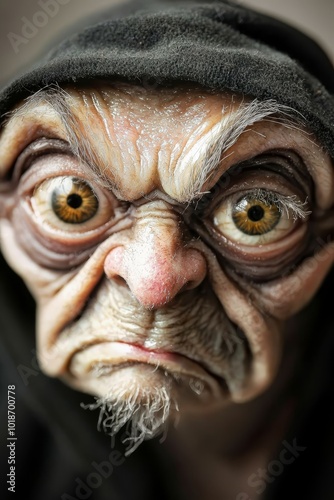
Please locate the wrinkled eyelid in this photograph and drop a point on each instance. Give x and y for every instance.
(47, 150)
(33, 152)
(288, 204)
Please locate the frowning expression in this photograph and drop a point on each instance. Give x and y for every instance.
(166, 235)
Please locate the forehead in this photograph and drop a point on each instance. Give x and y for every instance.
(156, 138)
(136, 136)
(141, 139)
(168, 100)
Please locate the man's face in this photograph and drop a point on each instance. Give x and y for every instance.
(166, 236)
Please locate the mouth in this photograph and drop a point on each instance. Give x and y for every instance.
(107, 358)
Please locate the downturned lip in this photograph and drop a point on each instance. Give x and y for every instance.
(86, 363)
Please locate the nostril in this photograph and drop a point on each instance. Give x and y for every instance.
(113, 265)
(119, 280)
(188, 285)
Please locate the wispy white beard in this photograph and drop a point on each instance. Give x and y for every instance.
(144, 411)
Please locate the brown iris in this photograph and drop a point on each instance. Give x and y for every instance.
(255, 216)
(74, 201)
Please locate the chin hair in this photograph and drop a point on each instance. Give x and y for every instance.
(144, 411)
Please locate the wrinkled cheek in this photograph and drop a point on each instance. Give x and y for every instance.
(14, 257)
(260, 333)
(264, 339)
(41, 282)
(289, 295)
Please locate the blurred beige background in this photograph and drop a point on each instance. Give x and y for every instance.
(21, 41)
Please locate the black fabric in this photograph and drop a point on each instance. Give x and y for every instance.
(222, 46)
(311, 475)
(235, 49)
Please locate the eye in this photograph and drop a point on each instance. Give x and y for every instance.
(73, 200)
(259, 217)
(66, 201)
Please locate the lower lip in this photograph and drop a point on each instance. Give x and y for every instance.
(112, 354)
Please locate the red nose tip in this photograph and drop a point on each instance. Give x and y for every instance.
(156, 273)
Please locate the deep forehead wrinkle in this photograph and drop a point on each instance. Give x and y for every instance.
(79, 110)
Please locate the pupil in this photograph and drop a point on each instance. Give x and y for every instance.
(255, 213)
(74, 200)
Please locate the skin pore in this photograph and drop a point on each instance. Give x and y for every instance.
(158, 298)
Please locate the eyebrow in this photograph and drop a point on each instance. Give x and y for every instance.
(227, 132)
(209, 154)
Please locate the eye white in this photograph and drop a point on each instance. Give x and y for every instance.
(224, 223)
(41, 203)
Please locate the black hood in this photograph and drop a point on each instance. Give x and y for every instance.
(223, 46)
(218, 44)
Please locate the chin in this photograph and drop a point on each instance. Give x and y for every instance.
(143, 391)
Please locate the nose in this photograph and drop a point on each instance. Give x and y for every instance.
(156, 264)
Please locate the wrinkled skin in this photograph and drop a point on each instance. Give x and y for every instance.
(137, 273)
(150, 286)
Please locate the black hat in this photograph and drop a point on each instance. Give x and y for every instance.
(219, 45)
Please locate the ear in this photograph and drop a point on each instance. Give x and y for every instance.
(287, 296)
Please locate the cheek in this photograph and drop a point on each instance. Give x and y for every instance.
(41, 282)
(286, 297)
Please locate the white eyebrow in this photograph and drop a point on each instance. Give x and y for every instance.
(205, 156)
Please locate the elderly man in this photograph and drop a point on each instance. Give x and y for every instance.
(166, 196)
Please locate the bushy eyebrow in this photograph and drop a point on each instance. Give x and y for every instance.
(205, 157)
(226, 133)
